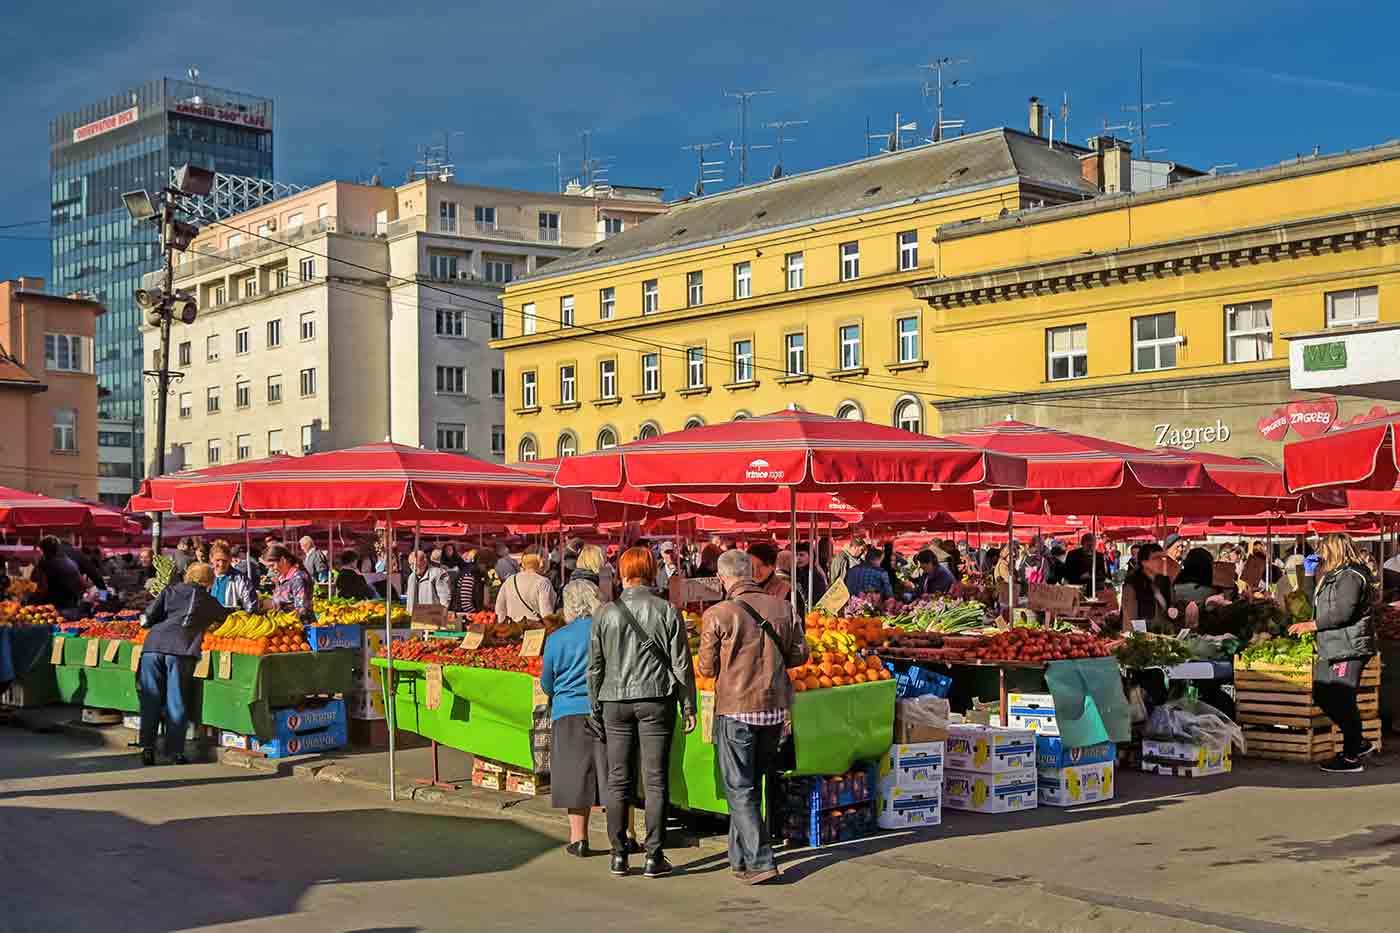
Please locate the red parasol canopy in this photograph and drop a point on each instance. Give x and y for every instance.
(20, 509)
(156, 492)
(1363, 455)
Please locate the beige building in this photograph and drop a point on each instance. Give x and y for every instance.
(352, 313)
(48, 393)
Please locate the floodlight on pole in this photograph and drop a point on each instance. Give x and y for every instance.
(193, 181)
(139, 205)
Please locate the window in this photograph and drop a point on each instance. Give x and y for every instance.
(280, 277)
(695, 421)
(795, 346)
(451, 436)
(695, 367)
(849, 411)
(274, 389)
(568, 444)
(308, 441)
(607, 439)
(528, 321)
(295, 220)
(498, 383)
(242, 394)
(220, 296)
(694, 289)
(549, 227)
(908, 250)
(306, 269)
(485, 218)
(1249, 332)
(113, 438)
(607, 303)
(264, 229)
(1067, 352)
(323, 211)
(648, 431)
(529, 451)
(250, 287)
(849, 338)
(235, 241)
(442, 266)
(527, 391)
(184, 353)
(186, 454)
(850, 261)
(498, 324)
(908, 416)
(65, 429)
(568, 385)
(274, 333)
(115, 470)
(500, 271)
(308, 382)
(211, 347)
(796, 268)
(1154, 342)
(743, 361)
(241, 341)
(274, 442)
(651, 373)
(1353, 306)
(245, 446)
(216, 449)
(743, 280)
(651, 297)
(213, 399)
(66, 353)
(607, 379)
(447, 218)
(308, 325)
(612, 226)
(186, 404)
(451, 323)
(498, 440)
(451, 380)
(566, 311)
(907, 332)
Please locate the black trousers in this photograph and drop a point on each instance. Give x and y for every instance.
(1334, 691)
(639, 736)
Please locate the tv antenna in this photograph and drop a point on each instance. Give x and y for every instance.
(1064, 116)
(593, 170)
(743, 97)
(894, 140)
(435, 159)
(708, 172)
(192, 73)
(934, 88)
(781, 126)
(1143, 108)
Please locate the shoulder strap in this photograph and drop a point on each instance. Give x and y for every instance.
(636, 628)
(515, 581)
(761, 622)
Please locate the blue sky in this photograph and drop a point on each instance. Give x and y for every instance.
(354, 82)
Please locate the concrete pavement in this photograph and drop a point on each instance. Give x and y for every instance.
(92, 841)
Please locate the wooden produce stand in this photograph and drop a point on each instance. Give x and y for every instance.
(1274, 706)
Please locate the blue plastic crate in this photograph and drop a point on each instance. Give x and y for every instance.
(331, 637)
(917, 681)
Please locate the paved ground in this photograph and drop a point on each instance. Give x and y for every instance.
(92, 841)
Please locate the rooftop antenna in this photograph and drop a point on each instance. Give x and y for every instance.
(780, 126)
(743, 97)
(1143, 124)
(192, 72)
(935, 88)
(435, 159)
(593, 170)
(1064, 117)
(707, 172)
(894, 139)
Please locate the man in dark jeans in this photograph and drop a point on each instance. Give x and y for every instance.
(747, 643)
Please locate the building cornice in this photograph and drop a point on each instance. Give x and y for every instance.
(1100, 391)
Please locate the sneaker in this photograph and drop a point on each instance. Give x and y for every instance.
(619, 864)
(1342, 765)
(180, 760)
(578, 849)
(1367, 749)
(657, 866)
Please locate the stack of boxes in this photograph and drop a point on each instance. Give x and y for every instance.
(1066, 776)
(313, 727)
(989, 769)
(365, 700)
(835, 808)
(910, 793)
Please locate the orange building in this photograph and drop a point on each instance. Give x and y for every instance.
(48, 392)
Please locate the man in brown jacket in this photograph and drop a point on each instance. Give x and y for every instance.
(747, 644)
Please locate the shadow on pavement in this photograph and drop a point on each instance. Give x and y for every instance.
(77, 758)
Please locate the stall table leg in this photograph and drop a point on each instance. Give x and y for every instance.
(1001, 690)
(436, 779)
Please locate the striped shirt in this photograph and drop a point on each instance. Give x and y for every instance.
(763, 717)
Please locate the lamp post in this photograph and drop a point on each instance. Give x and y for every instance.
(163, 305)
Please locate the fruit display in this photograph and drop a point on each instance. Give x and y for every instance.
(834, 668)
(12, 613)
(20, 588)
(165, 571)
(1141, 650)
(247, 633)
(340, 611)
(1029, 645)
(1285, 651)
(1388, 622)
(449, 651)
(112, 630)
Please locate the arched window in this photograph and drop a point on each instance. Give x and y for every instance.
(607, 439)
(741, 416)
(850, 411)
(529, 450)
(649, 430)
(694, 421)
(568, 444)
(909, 415)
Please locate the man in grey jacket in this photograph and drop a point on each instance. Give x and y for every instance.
(427, 585)
(314, 560)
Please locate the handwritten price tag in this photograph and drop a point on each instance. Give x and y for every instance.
(93, 652)
(56, 653)
(532, 644)
(540, 698)
(476, 634)
(110, 654)
(225, 665)
(201, 668)
(433, 673)
(135, 658)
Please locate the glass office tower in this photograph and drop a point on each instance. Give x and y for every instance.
(121, 143)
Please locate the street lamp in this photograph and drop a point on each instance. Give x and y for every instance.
(164, 305)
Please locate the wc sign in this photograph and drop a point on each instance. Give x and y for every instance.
(1189, 437)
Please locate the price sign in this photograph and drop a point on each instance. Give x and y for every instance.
(94, 651)
(707, 717)
(1053, 598)
(56, 652)
(201, 668)
(686, 591)
(1223, 574)
(532, 645)
(429, 617)
(540, 698)
(135, 658)
(110, 654)
(835, 598)
(433, 673)
(476, 634)
(226, 665)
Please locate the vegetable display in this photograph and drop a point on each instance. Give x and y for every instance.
(1285, 651)
(1140, 650)
(1032, 646)
(449, 651)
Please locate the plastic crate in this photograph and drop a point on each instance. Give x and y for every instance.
(331, 637)
(917, 681)
(833, 808)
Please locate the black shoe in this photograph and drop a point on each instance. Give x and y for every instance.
(180, 760)
(148, 757)
(632, 847)
(657, 866)
(1342, 765)
(619, 864)
(1367, 749)
(578, 849)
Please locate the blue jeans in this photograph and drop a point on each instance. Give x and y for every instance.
(746, 754)
(165, 682)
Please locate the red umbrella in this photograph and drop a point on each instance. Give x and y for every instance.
(1362, 455)
(20, 509)
(156, 492)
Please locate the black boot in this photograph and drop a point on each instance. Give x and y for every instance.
(657, 866)
(148, 756)
(619, 864)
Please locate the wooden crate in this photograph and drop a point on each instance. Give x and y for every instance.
(1274, 706)
(1317, 744)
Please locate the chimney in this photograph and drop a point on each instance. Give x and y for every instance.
(1117, 166)
(1091, 163)
(1037, 117)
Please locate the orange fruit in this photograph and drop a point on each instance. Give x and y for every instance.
(825, 682)
(800, 686)
(859, 678)
(850, 668)
(840, 681)
(883, 674)
(875, 665)
(827, 668)
(813, 683)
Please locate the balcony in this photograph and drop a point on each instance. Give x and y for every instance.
(255, 245)
(420, 223)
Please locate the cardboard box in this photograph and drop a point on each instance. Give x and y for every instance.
(1070, 787)
(1033, 711)
(912, 767)
(898, 808)
(490, 780)
(989, 749)
(980, 792)
(1052, 753)
(912, 731)
(333, 736)
(365, 704)
(531, 785)
(1184, 759)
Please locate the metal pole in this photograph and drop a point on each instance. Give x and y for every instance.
(1094, 558)
(388, 649)
(1011, 569)
(330, 563)
(792, 542)
(1268, 553)
(811, 563)
(163, 374)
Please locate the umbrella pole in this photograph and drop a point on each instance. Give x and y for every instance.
(1269, 553)
(1094, 559)
(811, 562)
(389, 654)
(248, 551)
(792, 542)
(330, 562)
(1010, 569)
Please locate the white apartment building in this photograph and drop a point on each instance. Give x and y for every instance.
(347, 314)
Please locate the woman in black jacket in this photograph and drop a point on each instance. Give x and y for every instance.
(1345, 623)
